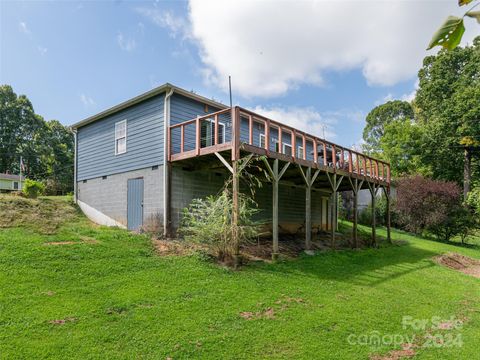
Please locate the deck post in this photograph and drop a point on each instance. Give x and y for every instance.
(373, 192)
(235, 210)
(335, 184)
(309, 180)
(355, 218)
(275, 175)
(387, 215)
(308, 212)
(356, 186)
(275, 211)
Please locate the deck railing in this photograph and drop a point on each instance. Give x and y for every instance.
(238, 128)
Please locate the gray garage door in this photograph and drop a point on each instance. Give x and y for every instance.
(135, 203)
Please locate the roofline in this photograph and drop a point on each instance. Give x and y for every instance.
(147, 95)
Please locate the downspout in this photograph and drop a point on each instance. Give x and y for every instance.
(75, 186)
(166, 165)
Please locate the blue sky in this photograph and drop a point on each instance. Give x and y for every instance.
(301, 63)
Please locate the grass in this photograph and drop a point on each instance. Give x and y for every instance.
(115, 298)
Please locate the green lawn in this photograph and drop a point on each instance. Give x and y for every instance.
(120, 300)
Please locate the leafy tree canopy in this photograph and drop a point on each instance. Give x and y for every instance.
(46, 147)
(381, 116)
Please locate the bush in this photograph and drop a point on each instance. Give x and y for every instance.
(473, 200)
(209, 221)
(32, 189)
(431, 205)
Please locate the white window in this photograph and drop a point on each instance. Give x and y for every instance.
(15, 185)
(207, 130)
(121, 137)
(299, 153)
(262, 141)
(287, 149)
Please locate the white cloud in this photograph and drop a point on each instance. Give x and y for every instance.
(126, 43)
(86, 100)
(270, 47)
(22, 26)
(410, 96)
(42, 50)
(168, 20)
(309, 120)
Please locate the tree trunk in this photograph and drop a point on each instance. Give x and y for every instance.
(467, 172)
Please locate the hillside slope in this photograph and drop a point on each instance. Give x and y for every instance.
(84, 291)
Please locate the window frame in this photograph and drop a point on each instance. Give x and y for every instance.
(212, 124)
(119, 138)
(284, 145)
(299, 153)
(13, 185)
(260, 141)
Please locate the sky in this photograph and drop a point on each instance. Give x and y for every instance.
(320, 66)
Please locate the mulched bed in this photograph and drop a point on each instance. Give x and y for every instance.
(458, 262)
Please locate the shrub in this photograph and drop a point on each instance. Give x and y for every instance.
(32, 188)
(431, 205)
(208, 221)
(473, 200)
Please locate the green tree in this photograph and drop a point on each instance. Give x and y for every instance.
(448, 108)
(379, 117)
(401, 146)
(46, 147)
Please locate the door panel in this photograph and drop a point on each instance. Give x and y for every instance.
(135, 204)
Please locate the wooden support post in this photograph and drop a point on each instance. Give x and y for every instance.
(335, 184)
(294, 143)
(275, 176)
(215, 137)
(355, 218)
(373, 191)
(235, 210)
(275, 211)
(387, 215)
(334, 219)
(197, 137)
(356, 186)
(250, 129)
(324, 154)
(308, 211)
(309, 180)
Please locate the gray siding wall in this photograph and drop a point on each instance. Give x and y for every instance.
(188, 185)
(109, 195)
(145, 136)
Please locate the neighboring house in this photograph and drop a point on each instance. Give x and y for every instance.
(147, 158)
(10, 182)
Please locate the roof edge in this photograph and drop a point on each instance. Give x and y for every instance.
(147, 95)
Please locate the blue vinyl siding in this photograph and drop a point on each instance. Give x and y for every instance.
(145, 136)
(183, 109)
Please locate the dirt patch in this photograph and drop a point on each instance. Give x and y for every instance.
(62, 321)
(173, 247)
(270, 312)
(395, 355)
(462, 263)
(83, 240)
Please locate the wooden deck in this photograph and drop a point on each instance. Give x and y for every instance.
(318, 162)
(324, 155)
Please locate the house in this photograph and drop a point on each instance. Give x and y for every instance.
(10, 182)
(147, 158)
